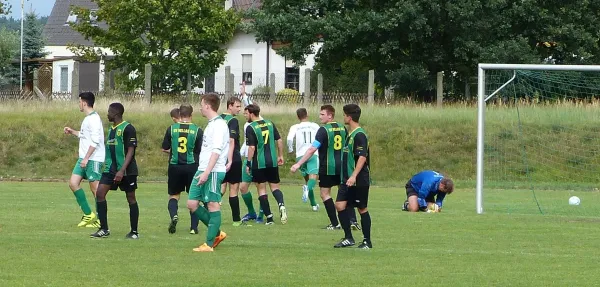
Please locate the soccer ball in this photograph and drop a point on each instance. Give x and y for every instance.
(433, 208)
(574, 200)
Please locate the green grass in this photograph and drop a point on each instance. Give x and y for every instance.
(561, 141)
(40, 245)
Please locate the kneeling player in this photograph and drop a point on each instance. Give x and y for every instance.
(425, 189)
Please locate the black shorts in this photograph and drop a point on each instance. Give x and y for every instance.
(127, 184)
(180, 177)
(234, 175)
(411, 191)
(268, 174)
(356, 196)
(329, 181)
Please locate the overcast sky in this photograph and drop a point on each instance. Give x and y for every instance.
(40, 7)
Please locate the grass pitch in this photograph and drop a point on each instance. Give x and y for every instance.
(40, 244)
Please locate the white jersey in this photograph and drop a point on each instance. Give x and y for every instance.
(215, 140)
(92, 135)
(304, 134)
(244, 148)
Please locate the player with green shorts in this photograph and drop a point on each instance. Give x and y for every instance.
(304, 134)
(206, 186)
(91, 157)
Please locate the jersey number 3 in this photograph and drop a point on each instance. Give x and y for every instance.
(182, 147)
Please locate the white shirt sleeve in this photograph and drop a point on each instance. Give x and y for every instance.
(219, 134)
(95, 125)
(290, 138)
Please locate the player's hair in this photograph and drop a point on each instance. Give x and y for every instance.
(175, 113)
(231, 101)
(212, 100)
(448, 184)
(253, 109)
(329, 108)
(353, 111)
(301, 113)
(185, 111)
(88, 98)
(118, 107)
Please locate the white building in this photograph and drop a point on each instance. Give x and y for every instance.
(249, 61)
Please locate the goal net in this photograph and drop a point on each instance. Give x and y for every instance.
(538, 139)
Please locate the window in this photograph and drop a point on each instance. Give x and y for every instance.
(292, 78)
(94, 17)
(64, 78)
(71, 19)
(247, 68)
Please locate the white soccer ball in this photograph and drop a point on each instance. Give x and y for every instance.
(574, 200)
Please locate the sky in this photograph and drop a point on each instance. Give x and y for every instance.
(41, 7)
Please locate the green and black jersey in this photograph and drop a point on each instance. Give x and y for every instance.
(120, 138)
(185, 141)
(357, 145)
(234, 133)
(263, 135)
(331, 139)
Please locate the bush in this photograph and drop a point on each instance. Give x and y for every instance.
(288, 96)
(261, 89)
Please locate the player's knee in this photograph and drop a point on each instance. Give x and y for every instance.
(73, 185)
(362, 210)
(340, 205)
(131, 197)
(192, 205)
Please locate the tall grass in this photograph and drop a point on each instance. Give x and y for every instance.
(404, 139)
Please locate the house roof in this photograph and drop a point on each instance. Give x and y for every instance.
(246, 4)
(57, 33)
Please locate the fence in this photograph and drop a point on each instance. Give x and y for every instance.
(289, 87)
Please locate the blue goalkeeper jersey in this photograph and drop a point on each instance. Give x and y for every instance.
(426, 184)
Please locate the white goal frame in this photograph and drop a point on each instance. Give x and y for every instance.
(482, 98)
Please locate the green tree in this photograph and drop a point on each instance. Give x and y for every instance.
(4, 7)
(176, 37)
(33, 43)
(9, 49)
(407, 42)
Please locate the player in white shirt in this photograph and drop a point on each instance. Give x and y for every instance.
(304, 135)
(206, 186)
(91, 157)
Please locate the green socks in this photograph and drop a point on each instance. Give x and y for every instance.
(82, 201)
(311, 195)
(213, 227)
(248, 201)
(202, 215)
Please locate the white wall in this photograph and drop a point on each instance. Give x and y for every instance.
(243, 43)
(56, 66)
(63, 51)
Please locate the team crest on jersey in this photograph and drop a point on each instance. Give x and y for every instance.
(119, 132)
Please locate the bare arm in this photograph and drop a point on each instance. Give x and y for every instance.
(309, 153)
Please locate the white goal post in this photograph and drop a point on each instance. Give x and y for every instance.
(481, 104)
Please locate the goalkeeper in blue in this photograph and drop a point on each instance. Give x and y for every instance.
(426, 191)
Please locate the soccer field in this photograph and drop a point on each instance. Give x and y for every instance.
(40, 245)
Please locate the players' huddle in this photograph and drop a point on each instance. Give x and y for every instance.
(206, 162)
